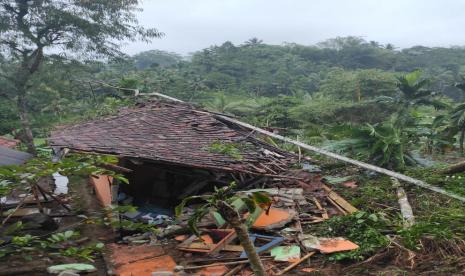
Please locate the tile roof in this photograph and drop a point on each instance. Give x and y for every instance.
(173, 133)
(8, 142)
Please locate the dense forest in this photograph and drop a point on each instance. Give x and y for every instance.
(330, 94)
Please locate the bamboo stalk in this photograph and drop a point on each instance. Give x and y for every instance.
(405, 207)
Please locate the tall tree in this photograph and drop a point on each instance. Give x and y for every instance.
(79, 28)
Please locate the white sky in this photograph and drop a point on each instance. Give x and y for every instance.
(191, 25)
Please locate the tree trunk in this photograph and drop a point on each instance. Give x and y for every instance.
(233, 218)
(29, 65)
(455, 168)
(26, 137)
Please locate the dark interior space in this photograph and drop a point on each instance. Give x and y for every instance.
(158, 188)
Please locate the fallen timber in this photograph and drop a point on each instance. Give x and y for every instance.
(361, 164)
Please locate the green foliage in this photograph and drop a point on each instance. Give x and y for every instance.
(126, 224)
(23, 241)
(362, 228)
(73, 164)
(154, 58)
(277, 112)
(443, 223)
(230, 149)
(86, 253)
(383, 144)
(357, 85)
(64, 236)
(57, 244)
(453, 183)
(224, 194)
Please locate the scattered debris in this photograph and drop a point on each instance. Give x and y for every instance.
(309, 269)
(289, 253)
(295, 264)
(274, 218)
(139, 259)
(339, 202)
(213, 270)
(350, 184)
(207, 244)
(8, 142)
(327, 245)
(76, 267)
(273, 241)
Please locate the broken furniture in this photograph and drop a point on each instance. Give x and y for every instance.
(212, 242)
(273, 241)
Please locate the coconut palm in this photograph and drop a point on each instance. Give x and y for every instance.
(413, 92)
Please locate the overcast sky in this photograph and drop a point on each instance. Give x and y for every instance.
(191, 25)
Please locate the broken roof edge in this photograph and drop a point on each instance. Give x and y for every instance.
(181, 164)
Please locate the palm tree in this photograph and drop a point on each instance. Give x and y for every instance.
(413, 92)
(384, 144)
(457, 116)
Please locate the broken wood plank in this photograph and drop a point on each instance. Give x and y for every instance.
(234, 270)
(292, 266)
(318, 205)
(340, 201)
(208, 247)
(209, 260)
(216, 264)
(339, 208)
(116, 168)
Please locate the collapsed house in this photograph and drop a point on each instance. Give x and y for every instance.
(172, 150)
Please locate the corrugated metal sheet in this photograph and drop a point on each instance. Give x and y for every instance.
(13, 157)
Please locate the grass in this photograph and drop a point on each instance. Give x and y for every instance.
(438, 218)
